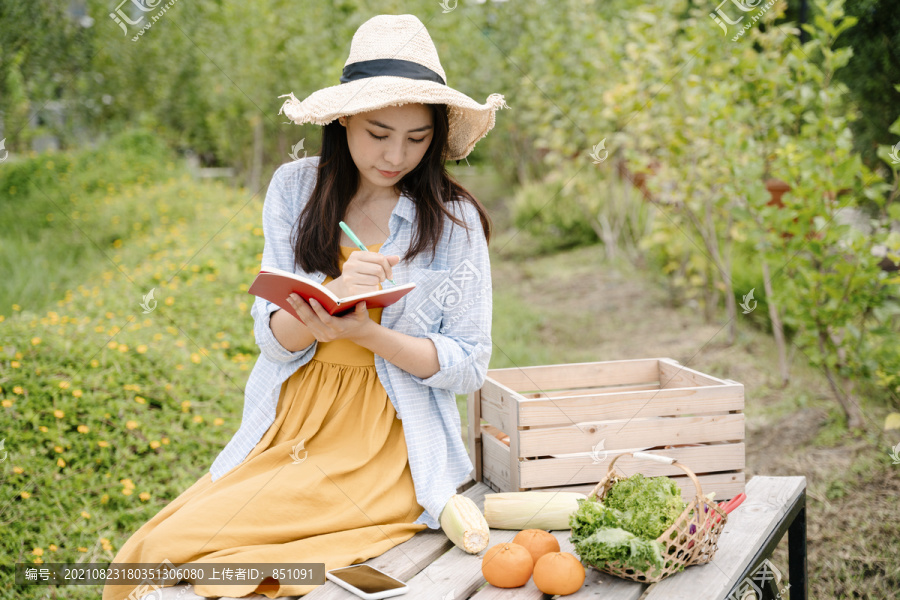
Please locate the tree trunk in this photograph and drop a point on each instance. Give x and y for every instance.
(847, 400)
(777, 327)
(256, 166)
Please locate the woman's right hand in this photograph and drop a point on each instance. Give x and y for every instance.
(364, 271)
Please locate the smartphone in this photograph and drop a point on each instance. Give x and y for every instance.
(367, 582)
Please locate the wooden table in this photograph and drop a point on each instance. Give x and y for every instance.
(437, 570)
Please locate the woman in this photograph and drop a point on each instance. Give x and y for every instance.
(323, 469)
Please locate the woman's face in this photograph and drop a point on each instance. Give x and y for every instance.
(388, 143)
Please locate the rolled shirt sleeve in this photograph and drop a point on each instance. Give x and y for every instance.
(463, 342)
(278, 252)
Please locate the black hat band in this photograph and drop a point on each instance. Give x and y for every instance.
(392, 67)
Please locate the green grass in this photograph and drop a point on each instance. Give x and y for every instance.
(64, 213)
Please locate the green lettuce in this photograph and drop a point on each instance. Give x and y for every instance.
(652, 504)
(609, 544)
(625, 526)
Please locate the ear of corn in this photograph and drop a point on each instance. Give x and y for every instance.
(530, 510)
(464, 524)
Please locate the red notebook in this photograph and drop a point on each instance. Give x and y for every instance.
(275, 285)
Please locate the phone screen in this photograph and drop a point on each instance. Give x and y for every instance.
(367, 579)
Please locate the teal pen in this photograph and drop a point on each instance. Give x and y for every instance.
(355, 240)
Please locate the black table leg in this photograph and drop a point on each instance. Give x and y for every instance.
(797, 554)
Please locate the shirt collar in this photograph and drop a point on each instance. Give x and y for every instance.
(405, 208)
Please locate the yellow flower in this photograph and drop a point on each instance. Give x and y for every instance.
(170, 301)
(18, 390)
(185, 405)
(144, 496)
(141, 348)
(195, 358)
(82, 549)
(165, 440)
(123, 347)
(60, 462)
(154, 444)
(85, 514)
(95, 363)
(16, 307)
(64, 385)
(103, 443)
(15, 364)
(43, 428)
(35, 340)
(83, 429)
(218, 421)
(127, 483)
(38, 561)
(131, 424)
(58, 414)
(127, 491)
(104, 498)
(53, 547)
(198, 419)
(18, 470)
(38, 551)
(58, 449)
(112, 345)
(7, 403)
(140, 400)
(77, 393)
(25, 495)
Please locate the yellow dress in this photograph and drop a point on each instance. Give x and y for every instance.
(345, 495)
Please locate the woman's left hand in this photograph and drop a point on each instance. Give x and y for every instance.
(327, 328)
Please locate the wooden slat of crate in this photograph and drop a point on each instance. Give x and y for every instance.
(577, 375)
(496, 463)
(574, 470)
(600, 389)
(476, 449)
(621, 405)
(725, 485)
(627, 434)
(673, 374)
(498, 405)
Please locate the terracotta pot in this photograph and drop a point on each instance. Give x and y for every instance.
(776, 188)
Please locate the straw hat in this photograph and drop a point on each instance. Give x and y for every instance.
(393, 61)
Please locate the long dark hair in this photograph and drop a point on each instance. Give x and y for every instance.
(430, 185)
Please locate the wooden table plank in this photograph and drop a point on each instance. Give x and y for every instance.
(456, 574)
(748, 527)
(407, 559)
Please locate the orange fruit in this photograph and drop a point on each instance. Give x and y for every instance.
(507, 565)
(559, 573)
(537, 541)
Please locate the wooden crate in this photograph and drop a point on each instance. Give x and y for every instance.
(566, 422)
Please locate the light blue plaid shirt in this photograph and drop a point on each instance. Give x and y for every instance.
(451, 305)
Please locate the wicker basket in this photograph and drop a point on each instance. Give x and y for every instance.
(683, 545)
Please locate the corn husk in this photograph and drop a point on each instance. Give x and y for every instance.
(464, 524)
(530, 510)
